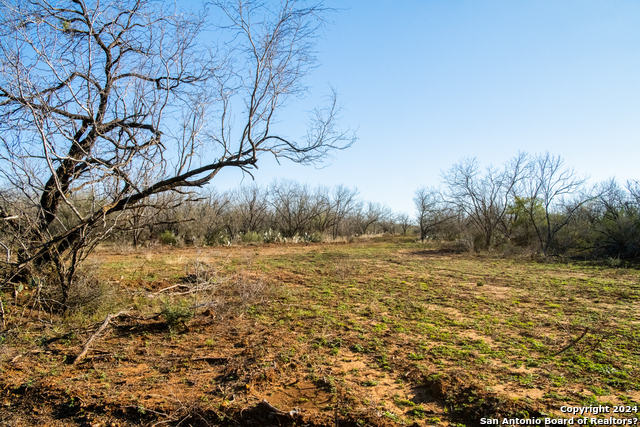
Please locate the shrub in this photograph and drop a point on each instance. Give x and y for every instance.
(479, 243)
(613, 262)
(168, 238)
(217, 238)
(459, 246)
(316, 237)
(251, 237)
(86, 294)
(175, 314)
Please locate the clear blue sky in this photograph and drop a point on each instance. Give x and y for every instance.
(430, 82)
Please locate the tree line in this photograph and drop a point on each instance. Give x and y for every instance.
(532, 202)
(284, 211)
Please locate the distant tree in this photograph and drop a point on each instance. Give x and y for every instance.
(324, 219)
(252, 207)
(633, 187)
(156, 212)
(518, 225)
(388, 222)
(431, 211)
(552, 188)
(404, 221)
(344, 201)
(484, 198)
(295, 207)
(207, 216)
(336, 205)
(616, 220)
(369, 215)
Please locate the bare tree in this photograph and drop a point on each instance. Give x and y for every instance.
(483, 198)
(105, 104)
(366, 217)
(551, 186)
(323, 221)
(404, 221)
(615, 217)
(633, 187)
(336, 204)
(387, 222)
(431, 211)
(295, 207)
(150, 214)
(252, 207)
(209, 214)
(344, 202)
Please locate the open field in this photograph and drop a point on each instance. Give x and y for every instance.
(380, 332)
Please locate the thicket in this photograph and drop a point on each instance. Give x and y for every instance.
(532, 204)
(283, 212)
(520, 209)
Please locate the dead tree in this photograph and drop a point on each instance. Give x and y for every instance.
(295, 207)
(341, 202)
(431, 211)
(550, 190)
(483, 198)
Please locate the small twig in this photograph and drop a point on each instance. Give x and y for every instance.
(4, 325)
(603, 336)
(142, 408)
(171, 287)
(82, 402)
(7, 248)
(24, 354)
(212, 358)
(102, 327)
(339, 401)
(574, 342)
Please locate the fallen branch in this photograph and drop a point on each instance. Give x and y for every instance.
(574, 342)
(143, 409)
(102, 327)
(213, 359)
(191, 291)
(192, 288)
(171, 287)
